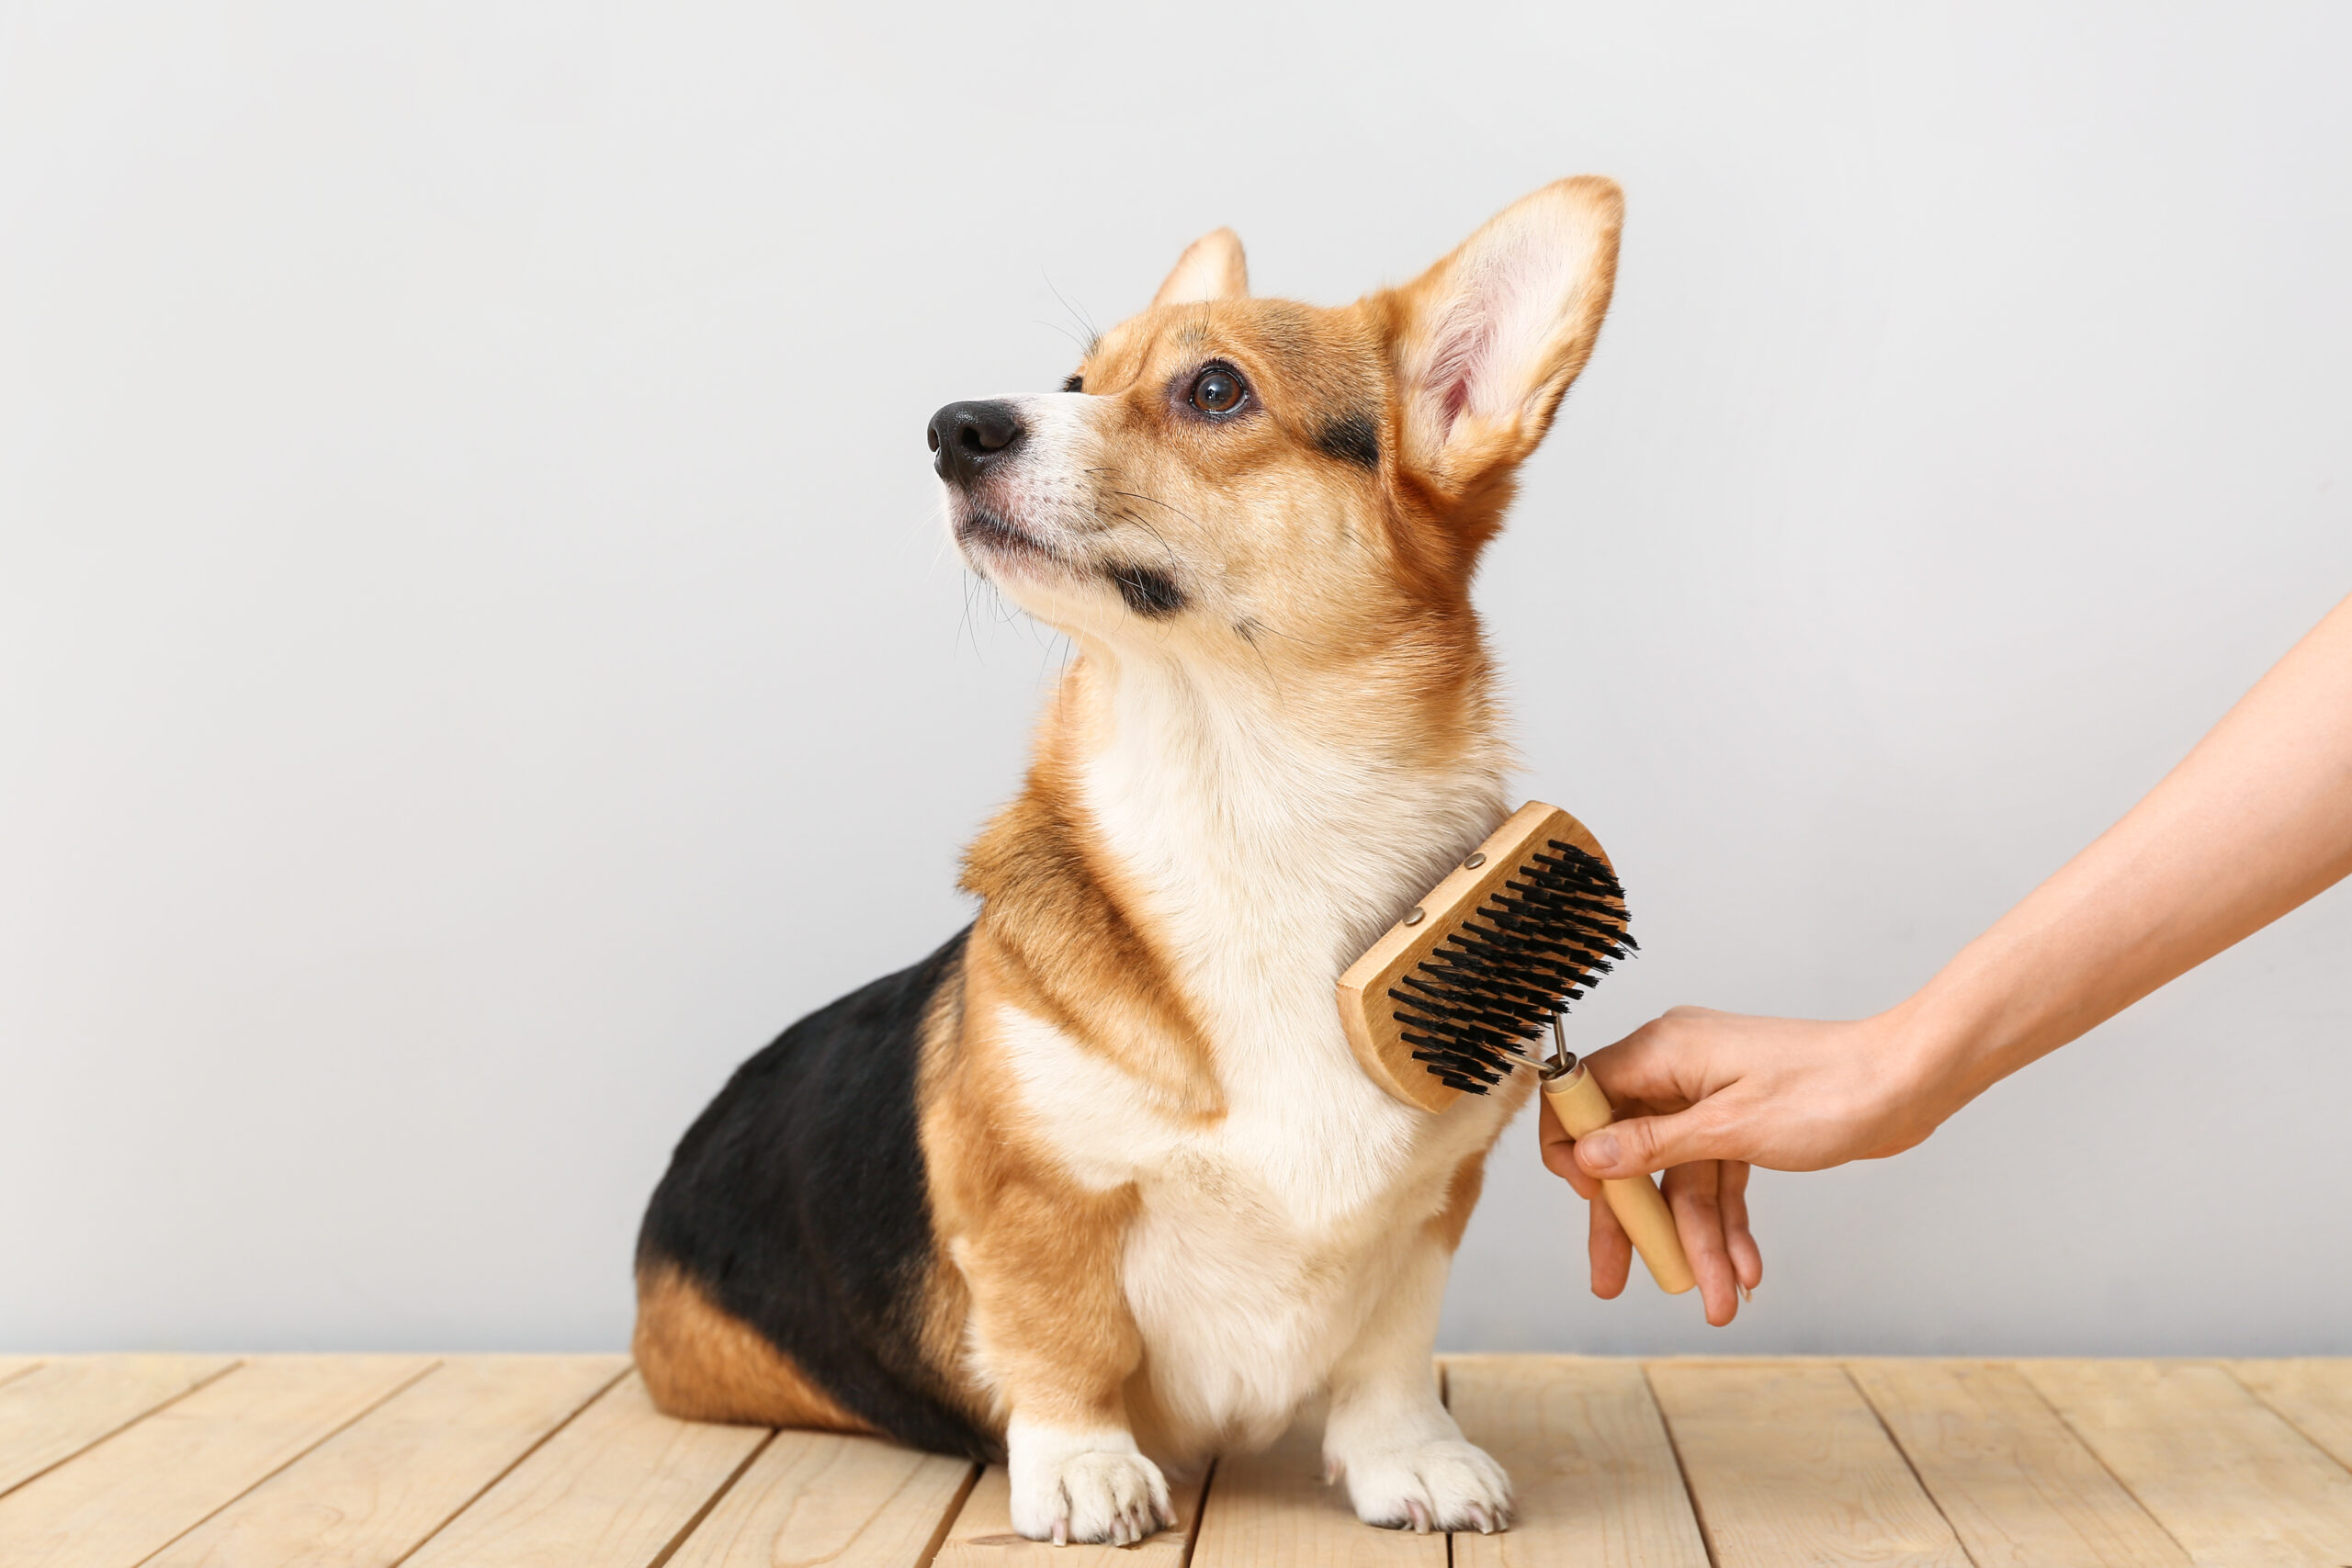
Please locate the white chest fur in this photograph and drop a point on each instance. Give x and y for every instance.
(1265, 863)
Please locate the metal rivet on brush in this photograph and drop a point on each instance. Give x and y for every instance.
(1415, 917)
(1474, 862)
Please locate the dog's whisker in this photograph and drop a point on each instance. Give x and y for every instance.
(1093, 336)
(1083, 343)
(1132, 495)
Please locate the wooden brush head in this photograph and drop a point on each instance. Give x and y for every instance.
(1459, 904)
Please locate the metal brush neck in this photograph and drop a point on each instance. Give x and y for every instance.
(1564, 1061)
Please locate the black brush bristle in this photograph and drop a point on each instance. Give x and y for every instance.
(1491, 988)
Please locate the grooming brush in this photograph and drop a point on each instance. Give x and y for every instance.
(1452, 998)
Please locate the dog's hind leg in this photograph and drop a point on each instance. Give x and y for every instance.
(701, 1363)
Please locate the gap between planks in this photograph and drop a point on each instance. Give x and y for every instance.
(1593, 1467)
(1789, 1464)
(51, 1411)
(620, 1485)
(849, 1502)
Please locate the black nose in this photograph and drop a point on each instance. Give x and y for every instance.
(970, 436)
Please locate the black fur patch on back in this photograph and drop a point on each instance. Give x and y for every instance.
(1351, 438)
(798, 1201)
(1152, 594)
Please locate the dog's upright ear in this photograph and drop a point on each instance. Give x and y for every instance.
(1211, 268)
(1486, 343)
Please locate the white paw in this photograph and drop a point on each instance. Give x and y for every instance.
(1445, 1484)
(1084, 1486)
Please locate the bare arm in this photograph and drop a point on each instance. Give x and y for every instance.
(2257, 819)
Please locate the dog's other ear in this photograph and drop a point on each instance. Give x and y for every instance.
(1210, 268)
(1487, 341)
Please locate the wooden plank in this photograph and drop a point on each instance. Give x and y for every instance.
(2315, 1396)
(2015, 1484)
(136, 1491)
(1593, 1476)
(49, 1415)
(367, 1497)
(2221, 1471)
(16, 1366)
(617, 1488)
(821, 1497)
(1274, 1510)
(982, 1535)
(1788, 1465)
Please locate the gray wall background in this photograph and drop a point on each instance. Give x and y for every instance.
(478, 656)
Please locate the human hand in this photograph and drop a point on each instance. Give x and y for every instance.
(1702, 1094)
(1709, 1200)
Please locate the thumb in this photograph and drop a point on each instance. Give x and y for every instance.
(1639, 1144)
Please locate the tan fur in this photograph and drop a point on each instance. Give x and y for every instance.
(702, 1363)
(1058, 938)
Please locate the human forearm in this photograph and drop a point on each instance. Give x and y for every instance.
(2257, 819)
(2254, 821)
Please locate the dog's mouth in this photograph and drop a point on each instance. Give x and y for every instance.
(999, 549)
(985, 535)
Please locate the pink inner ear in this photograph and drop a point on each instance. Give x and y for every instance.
(1462, 347)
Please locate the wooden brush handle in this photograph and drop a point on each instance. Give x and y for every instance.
(1577, 1101)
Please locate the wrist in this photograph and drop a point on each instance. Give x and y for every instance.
(1941, 1055)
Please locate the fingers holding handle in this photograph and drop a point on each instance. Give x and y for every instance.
(1640, 1207)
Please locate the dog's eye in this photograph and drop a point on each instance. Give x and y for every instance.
(1217, 390)
(1074, 384)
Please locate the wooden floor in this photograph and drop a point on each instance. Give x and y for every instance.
(559, 1461)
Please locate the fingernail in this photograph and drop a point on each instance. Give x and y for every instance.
(1599, 1149)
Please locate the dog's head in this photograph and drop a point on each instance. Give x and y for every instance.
(1226, 477)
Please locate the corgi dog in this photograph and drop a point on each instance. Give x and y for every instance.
(1098, 1190)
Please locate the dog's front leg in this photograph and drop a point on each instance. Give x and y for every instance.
(1407, 1464)
(1055, 1335)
